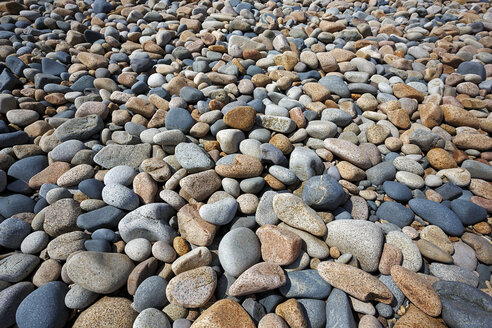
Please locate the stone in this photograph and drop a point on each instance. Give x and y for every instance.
(201, 185)
(483, 249)
(151, 318)
(121, 197)
(354, 282)
(348, 151)
(363, 239)
(412, 259)
(101, 273)
(193, 158)
(219, 213)
(437, 214)
(323, 192)
(61, 217)
(193, 228)
(305, 283)
(80, 128)
(131, 155)
(197, 257)
(338, 310)
(45, 307)
(222, 314)
(17, 267)
(293, 211)
(150, 294)
(395, 213)
(278, 245)
(450, 272)
(241, 241)
(417, 290)
(12, 232)
(291, 312)
(193, 288)
(241, 117)
(108, 312)
(414, 317)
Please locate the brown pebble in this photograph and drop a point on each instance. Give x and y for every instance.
(292, 313)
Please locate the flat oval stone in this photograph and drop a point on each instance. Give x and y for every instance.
(64, 245)
(201, 185)
(193, 288)
(258, 278)
(108, 312)
(397, 191)
(395, 213)
(193, 157)
(439, 215)
(79, 298)
(10, 299)
(151, 293)
(239, 166)
(120, 196)
(80, 128)
(101, 273)
(432, 252)
(197, 257)
(468, 212)
(44, 308)
(355, 282)
(293, 211)
(61, 217)
(305, 283)
(104, 217)
(339, 310)
(239, 249)
(451, 272)
(17, 267)
(12, 232)
(417, 290)
(224, 314)
(348, 152)
(362, 239)
(131, 155)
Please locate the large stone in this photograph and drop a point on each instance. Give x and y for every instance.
(131, 155)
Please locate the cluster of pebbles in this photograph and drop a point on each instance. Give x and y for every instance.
(267, 164)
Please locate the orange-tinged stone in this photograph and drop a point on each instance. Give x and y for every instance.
(278, 245)
(225, 313)
(401, 90)
(242, 118)
(243, 166)
(49, 174)
(440, 159)
(415, 318)
(417, 290)
(292, 313)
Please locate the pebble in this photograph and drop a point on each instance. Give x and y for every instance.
(437, 214)
(101, 273)
(363, 239)
(150, 294)
(241, 241)
(10, 299)
(152, 318)
(193, 288)
(106, 312)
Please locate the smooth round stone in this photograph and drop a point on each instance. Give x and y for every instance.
(10, 298)
(464, 256)
(433, 181)
(190, 95)
(305, 163)
(362, 239)
(395, 213)
(17, 267)
(61, 217)
(92, 188)
(252, 185)
(104, 234)
(463, 305)
(152, 318)
(156, 80)
(101, 273)
(104, 217)
(305, 283)
(149, 222)
(409, 179)
(397, 191)
(179, 118)
(151, 293)
(439, 215)
(26, 168)
(163, 252)
(260, 277)
(65, 151)
(239, 249)
(193, 288)
(412, 259)
(12, 232)
(64, 245)
(138, 249)
(193, 158)
(79, 298)
(14, 204)
(108, 312)
(35, 242)
(283, 174)
(121, 174)
(323, 192)
(468, 212)
(380, 173)
(45, 307)
(219, 213)
(119, 196)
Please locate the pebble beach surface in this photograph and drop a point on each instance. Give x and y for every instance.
(270, 164)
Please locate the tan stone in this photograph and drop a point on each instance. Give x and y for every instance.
(140, 106)
(457, 116)
(390, 257)
(49, 175)
(473, 141)
(399, 118)
(415, 318)
(92, 61)
(193, 228)
(316, 91)
(260, 277)
(225, 313)
(292, 313)
(355, 282)
(108, 312)
(350, 172)
(145, 187)
(431, 115)
(243, 166)
(401, 90)
(441, 159)
(417, 290)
